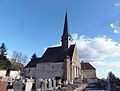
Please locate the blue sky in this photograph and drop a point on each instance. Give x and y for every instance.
(30, 26)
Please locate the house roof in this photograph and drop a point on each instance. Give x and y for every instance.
(86, 66)
(56, 54)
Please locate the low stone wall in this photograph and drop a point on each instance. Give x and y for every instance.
(12, 74)
(3, 73)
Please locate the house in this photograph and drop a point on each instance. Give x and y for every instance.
(61, 61)
(87, 71)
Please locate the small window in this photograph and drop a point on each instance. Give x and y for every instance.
(29, 71)
(62, 67)
(52, 67)
(43, 67)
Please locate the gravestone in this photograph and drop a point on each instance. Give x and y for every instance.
(53, 82)
(49, 83)
(59, 81)
(39, 83)
(28, 85)
(44, 85)
(17, 85)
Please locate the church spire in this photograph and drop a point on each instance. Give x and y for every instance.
(65, 31)
(66, 36)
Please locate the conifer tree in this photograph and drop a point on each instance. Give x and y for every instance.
(3, 51)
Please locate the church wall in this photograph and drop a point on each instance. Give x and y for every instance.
(30, 72)
(49, 70)
(75, 64)
(76, 59)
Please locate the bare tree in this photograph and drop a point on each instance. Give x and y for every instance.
(18, 60)
(24, 59)
(18, 57)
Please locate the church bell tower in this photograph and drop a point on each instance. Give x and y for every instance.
(65, 39)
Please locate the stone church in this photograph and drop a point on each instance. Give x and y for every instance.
(61, 61)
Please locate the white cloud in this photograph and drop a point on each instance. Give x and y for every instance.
(117, 4)
(116, 27)
(106, 64)
(96, 48)
(103, 68)
(99, 51)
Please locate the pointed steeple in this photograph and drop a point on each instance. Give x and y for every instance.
(66, 35)
(65, 31)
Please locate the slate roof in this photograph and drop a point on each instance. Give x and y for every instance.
(56, 54)
(32, 63)
(86, 66)
(53, 54)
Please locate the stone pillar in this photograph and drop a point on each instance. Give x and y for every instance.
(67, 68)
(76, 71)
(71, 72)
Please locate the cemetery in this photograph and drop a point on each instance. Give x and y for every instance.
(36, 85)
